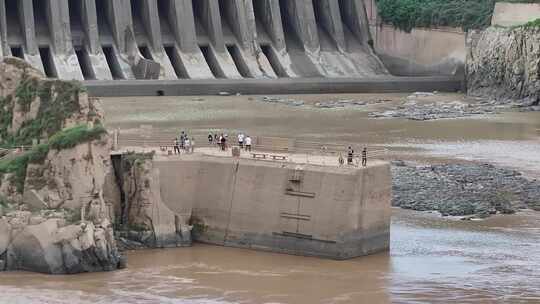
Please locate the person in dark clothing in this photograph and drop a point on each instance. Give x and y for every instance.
(350, 156)
(210, 139)
(364, 157)
(176, 146)
(223, 143)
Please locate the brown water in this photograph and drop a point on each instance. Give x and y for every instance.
(432, 259)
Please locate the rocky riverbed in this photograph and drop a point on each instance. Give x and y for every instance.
(419, 106)
(472, 190)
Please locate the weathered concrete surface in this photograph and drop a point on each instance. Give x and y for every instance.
(275, 86)
(439, 51)
(512, 14)
(330, 212)
(203, 39)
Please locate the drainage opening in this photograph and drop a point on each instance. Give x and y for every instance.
(176, 62)
(48, 64)
(17, 51)
(145, 52)
(238, 60)
(112, 61)
(274, 63)
(86, 64)
(208, 56)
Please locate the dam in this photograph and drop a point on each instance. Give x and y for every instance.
(190, 39)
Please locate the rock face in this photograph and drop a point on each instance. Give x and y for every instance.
(70, 178)
(146, 218)
(58, 199)
(504, 63)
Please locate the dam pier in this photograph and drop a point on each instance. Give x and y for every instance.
(189, 39)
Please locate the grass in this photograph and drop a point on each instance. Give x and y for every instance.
(532, 24)
(64, 139)
(69, 138)
(58, 100)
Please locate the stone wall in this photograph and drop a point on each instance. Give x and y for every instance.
(437, 51)
(330, 212)
(512, 14)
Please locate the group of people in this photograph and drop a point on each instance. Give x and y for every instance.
(244, 141)
(350, 157)
(184, 143)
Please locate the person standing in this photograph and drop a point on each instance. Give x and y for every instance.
(210, 139)
(187, 145)
(222, 142)
(192, 144)
(248, 143)
(182, 139)
(176, 146)
(241, 140)
(350, 156)
(364, 157)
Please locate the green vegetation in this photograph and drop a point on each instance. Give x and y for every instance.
(532, 24)
(64, 139)
(69, 138)
(131, 159)
(17, 166)
(58, 100)
(466, 14)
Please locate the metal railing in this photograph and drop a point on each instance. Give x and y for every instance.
(260, 143)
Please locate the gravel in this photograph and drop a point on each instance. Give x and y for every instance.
(477, 190)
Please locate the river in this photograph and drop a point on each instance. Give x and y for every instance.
(431, 260)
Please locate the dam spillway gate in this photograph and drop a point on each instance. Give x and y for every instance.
(189, 39)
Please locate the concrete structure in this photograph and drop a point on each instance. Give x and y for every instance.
(422, 52)
(330, 212)
(189, 39)
(513, 14)
(188, 87)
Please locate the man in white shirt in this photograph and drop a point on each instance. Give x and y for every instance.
(241, 140)
(248, 143)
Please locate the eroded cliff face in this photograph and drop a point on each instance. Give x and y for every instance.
(56, 195)
(144, 216)
(504, 63)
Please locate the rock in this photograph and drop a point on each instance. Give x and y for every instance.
(462, 189)
(502, 63)
(5, 233)
(70, 178)
(49, 248)
(149, 220)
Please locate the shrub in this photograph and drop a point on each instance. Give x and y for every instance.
(69, 138)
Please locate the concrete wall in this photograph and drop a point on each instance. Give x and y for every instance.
(191, 39)
(330, 212)
(512, 14)
(440, 51)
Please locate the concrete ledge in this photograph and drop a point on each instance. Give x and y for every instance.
(272, 86)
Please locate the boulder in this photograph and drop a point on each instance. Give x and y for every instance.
(5, 233)
(50, 248)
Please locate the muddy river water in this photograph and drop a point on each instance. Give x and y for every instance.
(432, 259)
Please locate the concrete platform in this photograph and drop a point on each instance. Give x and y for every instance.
(317, 209)
(272, 86)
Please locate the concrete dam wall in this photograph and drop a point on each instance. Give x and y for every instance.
(189, 39)
(329, 212)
